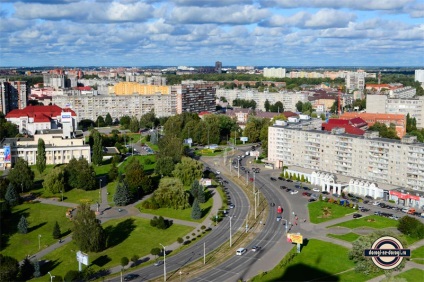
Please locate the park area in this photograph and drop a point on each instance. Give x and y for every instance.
(321, 211)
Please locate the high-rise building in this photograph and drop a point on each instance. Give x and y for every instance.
(355, 81)
(54, 80)
(275, 72)
(13, 95)
(195, 97)
(419, 76)
(218, 67)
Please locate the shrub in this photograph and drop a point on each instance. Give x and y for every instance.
(203, 227)
(187, 242)
(124, 261)
(411, 226)
(187, 237)
(180, 240)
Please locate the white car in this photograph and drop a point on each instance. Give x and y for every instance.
(375, 203)
(218, 172)
(294, 192)
(316, 190)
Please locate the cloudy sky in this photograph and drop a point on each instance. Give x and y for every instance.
(200, 32)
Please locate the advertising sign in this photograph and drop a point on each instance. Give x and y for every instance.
(244, 139)
(82, 258)
(295, 238)
(66, 117)
(7, 154)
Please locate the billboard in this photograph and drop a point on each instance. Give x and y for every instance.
(7, 154)
(82, 258)
(295, 238)
(66, 117)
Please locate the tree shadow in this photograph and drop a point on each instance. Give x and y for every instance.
(208, 194)
(48, 265)
(303, 272)
(33, 228)
(102, 260)
(9, 226)
(205, 211)
(118, 233)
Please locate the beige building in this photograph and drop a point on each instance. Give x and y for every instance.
(59, 149)
(130, 88)
(367, 157)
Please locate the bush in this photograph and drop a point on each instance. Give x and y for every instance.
(187, 237)
(180, 240)
(411, 226)
(187, 242)
(148, 162)
(150, 204)
(124, 261)
(160, 222)
(73, 275)
(203, 227)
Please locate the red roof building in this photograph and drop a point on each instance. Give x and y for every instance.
(340, 123)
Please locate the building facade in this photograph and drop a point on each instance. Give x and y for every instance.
(92, 106)
(367, 157)
(419, 76)
(13, 95)
(383, 104)
(59, 148)
(194, 98)
(275, 72)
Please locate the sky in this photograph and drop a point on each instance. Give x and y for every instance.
(201, 32)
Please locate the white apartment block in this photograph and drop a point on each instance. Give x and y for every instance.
(100, 84)
(289, 99)
(59, 150)
(54, 80)
(419, 76)
(92, 106)
(355, 81)
(385, 105)
(367, 157)
(403, 92)
(275, 72)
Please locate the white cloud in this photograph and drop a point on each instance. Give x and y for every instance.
(224, 15)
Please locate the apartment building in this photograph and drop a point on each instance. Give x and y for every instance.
(130, 88)
(13, 95)
(419, 76)
(367, 158)
(384, 104)
(92, 106)
(275, 72)
(355, 81)
(59, 148)
(55, 80)
(195, 98)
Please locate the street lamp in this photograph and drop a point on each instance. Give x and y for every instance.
(51, 276)
(286, 224)
(100, 191)
(164, 262)
(256, 193)
(180, 274)
(247, 178)
(39, 241)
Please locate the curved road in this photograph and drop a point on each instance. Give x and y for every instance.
(212, 240)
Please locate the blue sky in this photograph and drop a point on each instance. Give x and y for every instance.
(200, 32)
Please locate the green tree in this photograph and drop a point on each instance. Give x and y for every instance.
(41, 156)
(134, 259)
(21, 175)
(108, 120)
(113, 172)
(73, 275)
(125, 122)
(201, 197)
(9, 268)
(97, 157)
(412, 227)
(124, 261)
(37, 272)
(364, 264)
(155, 251)
(196, 212)
(253, 129)
(171, 194)
(134, 176)
(80, 174)
(122, 195)
(267, 105)
(299, 106)
(54, 182)
(188, 170)
(149, 120)
(23, 225)
(306, 107)
(12, 196)
(26, 270)
(4, 183)
(164, 166)
(56, 231)
(171, 146)
(100, 122)
(134, 124)
(194, 190)
(88, 233)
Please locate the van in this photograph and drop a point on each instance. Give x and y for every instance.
(240, 251)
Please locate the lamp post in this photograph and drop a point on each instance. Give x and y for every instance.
(39, 241)
(254, 180)
(256, 193)
(286, 224)
(216, 216)
(51, 276)
(180, 274)
(164, 262)
(100, 190)
(61, 191)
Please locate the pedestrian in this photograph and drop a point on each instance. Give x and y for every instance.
(304, 220)
(295, 223)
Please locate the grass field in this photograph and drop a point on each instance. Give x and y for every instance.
(127, 237)
(179, 214)
(412, 275)
(142, 159)
(349, 237)
(321, 211)
(373, 221)
(418, 255)
(41, 219)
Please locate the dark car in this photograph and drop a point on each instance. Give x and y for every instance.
(312, 200)
(256, 249)
(283, 187)
(365, 201)
(368, 197)
(364, 210)
(288, 190)
(289, 180)
(130, 277)
(306, 188)
(325, 192)
(357, 215)
(280, 178)
(273, 179)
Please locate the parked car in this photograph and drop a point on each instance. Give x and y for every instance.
(130, 277)
(368, 197)
(158, 262)
(231, 206)
(273, 179)
(283, 187)
(316, 190)
(357, 215)
(294, 192)
(376, 203)
(325, 192)
(218, 172)
(364, 210)
(312, 200)
(280, 178)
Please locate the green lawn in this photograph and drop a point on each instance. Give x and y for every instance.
(127, 237)
(79, 196)
(41, 219)
(349, 237)
(317, 260)
(413, 274)
(353, 276)
(418, 255)
(179, 214)
(321, 211)
(142, 159)
(373, 221)
(111, 188)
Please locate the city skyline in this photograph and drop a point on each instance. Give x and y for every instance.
(198, 33)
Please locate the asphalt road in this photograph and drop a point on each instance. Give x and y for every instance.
(212, 241)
